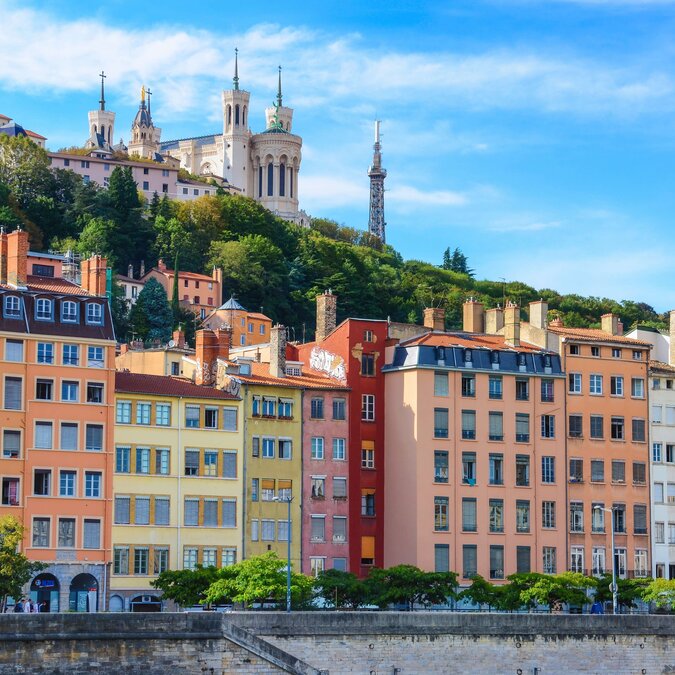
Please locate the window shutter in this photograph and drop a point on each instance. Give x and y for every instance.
(229, 512)
(92, 533)
(191, 511)
(162, 510)
(142, 511)
(122, 509)
(441, 558)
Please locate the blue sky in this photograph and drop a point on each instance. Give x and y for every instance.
(537, 135)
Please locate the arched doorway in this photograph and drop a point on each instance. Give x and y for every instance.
(45, 589)
(83, 594)
(146, 603)
(116, 604)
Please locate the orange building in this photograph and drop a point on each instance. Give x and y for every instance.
(475, 454)
(248, 328)
(57, 353)
(199, 292)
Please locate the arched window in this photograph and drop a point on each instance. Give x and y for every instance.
(229, 116)
(103, 131)
(243, 116)
(290, 180)
(270, 179)
(282, 180)
(12, 307)
(236, 115)
(260, 174)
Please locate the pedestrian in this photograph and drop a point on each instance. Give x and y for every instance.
(36, 607)
(27, 606)
(18, 607)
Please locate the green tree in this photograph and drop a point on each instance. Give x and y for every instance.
(456, 262)
(187, 587)
(556, 590)
(151, 317)
(408, 585)
(482, 592)
(120, 313)
(629, 591)
(661, 592)
(260, 579)
(98, 237)
(341, 589)
(15, 569)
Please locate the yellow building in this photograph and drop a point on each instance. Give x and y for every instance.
(177, 483)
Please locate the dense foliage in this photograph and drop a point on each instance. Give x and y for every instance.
(267, 263)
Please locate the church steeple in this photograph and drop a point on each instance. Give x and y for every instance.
(279, 99)
(376, 223)
(102, 75)
(235, 79)
(145, 135)
(101, 125)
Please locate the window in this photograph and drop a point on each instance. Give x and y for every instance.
(268, 448)
(468, 424)
(522, 428)
(41, 527)
(10, 491)
(440, 466)
(522, 515)
(161, 560)
(576, 470)
(12, 395)
(339, 449)
(368, 455)
(230, 418)
(339, 488)
(618, 471)
(91, 533)
(163, 414)
(92, 484)
(70, 391)
(616, 385)
(143, 413)
(522, 389)
(43, 390)
(318, 487)
(441, 558)
(146, 183)
(637, 387)
(14, 350)
(641, 563)
(549, 560)
(639, 518)
(577, 559)
(318, 528)
(44, 309)
(657, 414)
(42, 482)
(67, 484)
(638, 429)
(659, 533)
(317, 447)
(657, 492)
(120, 560)
(94, 437)
(122, 510)
(496, 562)
(576, 426)
(440, 384)
(469, 561)
(523, 564)
(637, 355)
(210, 418)
(45, 352)
(123, 415)
(596, 385)
(670, 453)
(368, 336)
(269, 406)
(496, 515)
(576, 517)
(71, 356)
(496, 426)
(95, 357)
(496, 469)
(671, 533)
(441, 506)
(142, 511)
(548, 515)
(469, 515)
(368, 365)
(548, 469)
(94, 392)
(495, 387)
(11, 444)
(339, 408)
(94, 313)
(192, 462)
(367, 502)
(597, 471)
(229, 464)
(141, 557)
(12, 306)
(548, 426)
(228, 557)
(368, 407)
(43, 435)
(617, 432)
(469, 468)
(255, 489)
(616, 353)
(191, 512)
(210, 513)
(619, 513)
(639, 473)
(547, 391)
(468, 386)
(597, 426)
(189, 558)
(440, 422)
(574, 380)
(522, 470)
(192, 416)
(574, 350)
(122, 459)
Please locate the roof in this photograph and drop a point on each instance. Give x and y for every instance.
(32, 134)
(12, 129)
(472, 340)
(54, 285)
(594, 335)
(232, 304)
(181, 275)
(258, 315)
(142, 118)
(661, 367)
(165, 385)
(260, 374)
(131, 280)
(199, 183)
(208, 139)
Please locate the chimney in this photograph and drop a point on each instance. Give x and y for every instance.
(3, 256)
(434, 318)
(610, 323)
(671, 354)
(326, 314)
(161, 265)
(94, 275)
(179, 338)
(130, 271)
(142, 270)
(278, 350)
(124, 348)
(17, 258)
(539, 314)
(473, 317)
(619, 328)
(206, 354)
(224, 336)
(512, 324)
(217, 275)
(494, 320)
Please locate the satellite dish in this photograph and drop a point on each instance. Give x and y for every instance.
(172, 343)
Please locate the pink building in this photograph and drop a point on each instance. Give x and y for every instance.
(325, 464)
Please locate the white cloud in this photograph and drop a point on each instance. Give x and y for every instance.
(408, 196)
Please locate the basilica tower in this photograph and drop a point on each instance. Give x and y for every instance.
(377, 174)
(144, 134)
(101, 124)
(236, 150)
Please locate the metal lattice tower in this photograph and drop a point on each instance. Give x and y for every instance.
(377, 174)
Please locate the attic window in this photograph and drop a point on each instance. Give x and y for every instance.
(467, 356)
(244, 368)
(293, 371)
(495, 357)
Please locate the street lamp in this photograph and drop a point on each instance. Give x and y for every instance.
(615, 588)
(288, 501)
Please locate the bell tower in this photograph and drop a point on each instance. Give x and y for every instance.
(101, 123)
(236, 133)
(144, 134)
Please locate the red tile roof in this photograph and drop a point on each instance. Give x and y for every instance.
(34, 135)
(183, 275)
(256, 315)
(165, 385)
(594, 335)
(661, 367)
(52, 285)
(472, 340)
(260, 374)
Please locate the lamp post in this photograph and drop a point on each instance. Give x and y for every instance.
(288, 501)
(615, 588)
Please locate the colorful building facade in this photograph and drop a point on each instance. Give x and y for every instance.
(248, 328)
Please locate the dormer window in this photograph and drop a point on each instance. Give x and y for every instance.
(94, 313)
(521, 360)
(69, 311)
(43, 309)
(547, 361)
(495, 358)
(467, 356)
(12, 307)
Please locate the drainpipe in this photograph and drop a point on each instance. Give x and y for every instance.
(179, 509)
(244, 399)
(105, 585)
